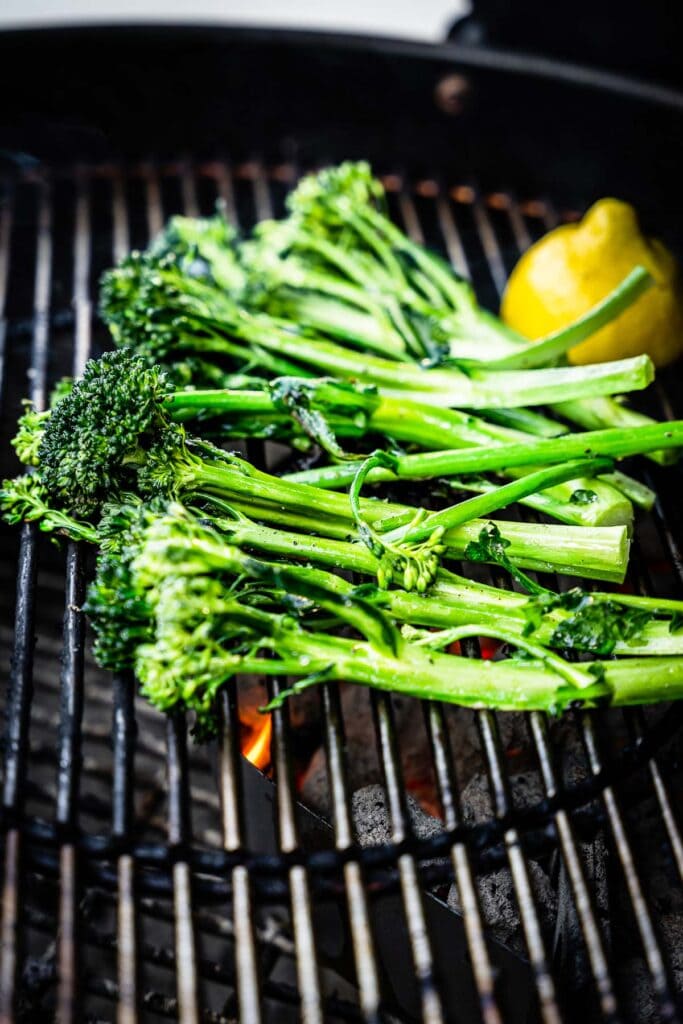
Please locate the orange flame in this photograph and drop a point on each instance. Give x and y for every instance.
(256, 741)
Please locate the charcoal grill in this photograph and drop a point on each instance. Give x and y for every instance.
(146, 879)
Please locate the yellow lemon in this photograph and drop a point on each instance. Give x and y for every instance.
(572, 268)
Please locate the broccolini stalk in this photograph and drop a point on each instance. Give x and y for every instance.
(431, 428)
(613, 443)
(595, 552)
(112, 434)
(337, 232)
(154, 307)
(415, 547)
(324, 410)
(491, 501)
(585, 621)
(328, 206)
(549, 349)
(209, 626)
(580, 502)
(610, 412)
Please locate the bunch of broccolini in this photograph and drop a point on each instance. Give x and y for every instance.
(332, 331)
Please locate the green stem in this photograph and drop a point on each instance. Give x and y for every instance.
(373, 331)
(612, 443)
(452, 600)
(598, 553)
(187, 404)
(504, 685)
(595, 413)
(440, 387)
(526, 421)
(484, 504)
(572, 673)
(255, 413)
(605, 504)
(553, 346)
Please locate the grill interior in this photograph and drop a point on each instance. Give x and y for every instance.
(145, 878)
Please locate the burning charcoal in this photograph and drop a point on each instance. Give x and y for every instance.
(477, 806)
(663, 884)
(570, 956)
(499, 904)
(636, 983)
(466, 746)
(496, 890)
(361, 752)
(371, 817)
(638, 995)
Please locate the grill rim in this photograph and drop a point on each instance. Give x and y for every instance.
(493, 59)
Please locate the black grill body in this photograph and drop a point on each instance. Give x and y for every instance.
(144, 878)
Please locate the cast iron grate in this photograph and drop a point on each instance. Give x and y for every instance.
(143, 880)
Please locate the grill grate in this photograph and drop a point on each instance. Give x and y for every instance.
(145, 881)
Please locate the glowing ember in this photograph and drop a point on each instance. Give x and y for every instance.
(256, 739)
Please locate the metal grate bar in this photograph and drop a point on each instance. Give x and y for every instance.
(651, 948)
(435, 719)
(188, 188)
(451, 236)
(502, 806)
(123, 742)
(153, 203)
(179, 825)
(248, 989)
(71, 676)
(179, 834)
(123, 739)
(583, 899)
(359, 918)
(288, 842)
(447, 786)
(20, 684)
(489, 244)
(41, 310)
(519, 229)
(69, 743)
(81, 278)
(119, 217)
(411, 221)
(420, 944)
(226, 192)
